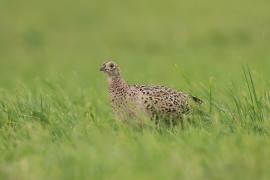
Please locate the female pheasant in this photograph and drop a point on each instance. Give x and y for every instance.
(157, 102)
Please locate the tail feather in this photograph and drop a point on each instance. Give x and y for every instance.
(197, 100)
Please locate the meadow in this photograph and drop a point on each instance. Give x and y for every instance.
(55, 119)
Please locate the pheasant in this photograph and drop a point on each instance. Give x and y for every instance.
(157, 102)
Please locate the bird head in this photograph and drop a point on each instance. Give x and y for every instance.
(110, 68)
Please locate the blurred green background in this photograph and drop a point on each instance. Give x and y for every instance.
(147, 38)
(55, 120)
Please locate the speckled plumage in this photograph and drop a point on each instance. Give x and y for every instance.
(158, 102)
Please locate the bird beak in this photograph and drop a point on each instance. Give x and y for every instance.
(102, 68)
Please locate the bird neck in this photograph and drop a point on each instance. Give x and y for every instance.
(116, 83)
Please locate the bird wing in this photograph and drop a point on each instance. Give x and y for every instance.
(162, 99)
(160, 91)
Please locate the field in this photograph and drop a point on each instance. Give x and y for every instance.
(55, 119)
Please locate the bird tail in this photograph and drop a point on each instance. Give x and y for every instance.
(197, 100)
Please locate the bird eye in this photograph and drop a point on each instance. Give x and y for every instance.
(111, 65)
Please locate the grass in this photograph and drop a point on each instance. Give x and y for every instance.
(55, 120)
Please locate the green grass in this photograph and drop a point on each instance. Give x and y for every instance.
(55, 120)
